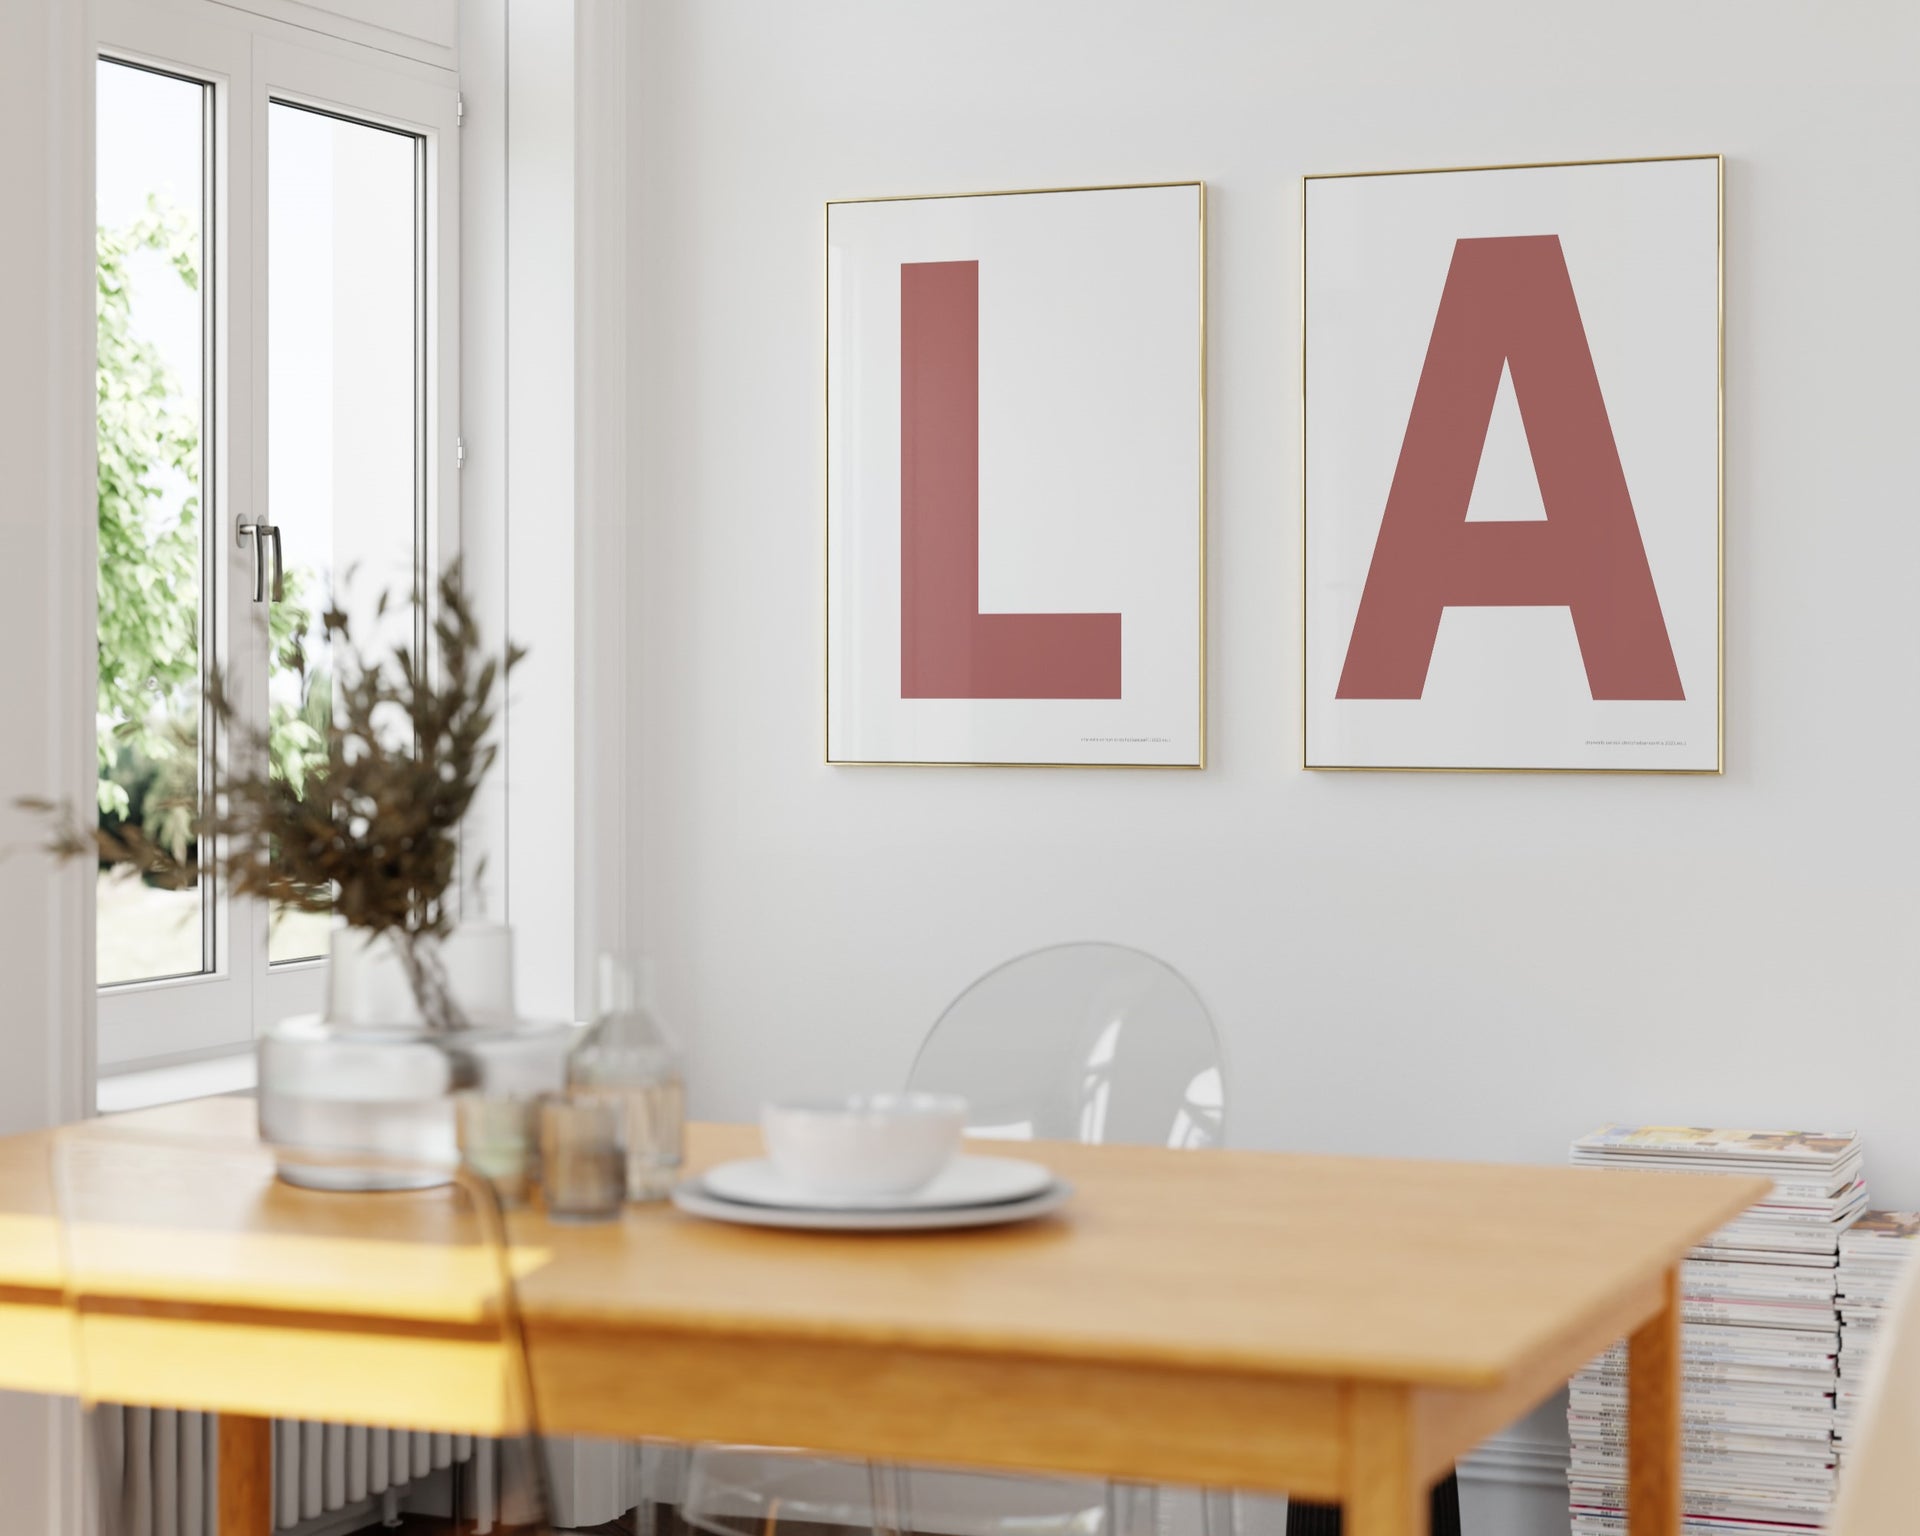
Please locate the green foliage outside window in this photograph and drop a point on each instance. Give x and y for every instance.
(149, 592)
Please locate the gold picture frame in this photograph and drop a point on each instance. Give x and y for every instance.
(827, 757)
(1720, 646)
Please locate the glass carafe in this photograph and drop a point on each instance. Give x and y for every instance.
(629, 1058)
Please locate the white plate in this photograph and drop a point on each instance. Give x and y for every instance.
(964, 1181)
(695, 1201)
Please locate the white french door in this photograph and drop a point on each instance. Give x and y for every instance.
(279, 384)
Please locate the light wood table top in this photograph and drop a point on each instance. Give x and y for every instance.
(1445, 1274)
(1277, 1311)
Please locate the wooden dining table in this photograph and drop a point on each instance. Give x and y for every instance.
(1337, 1328)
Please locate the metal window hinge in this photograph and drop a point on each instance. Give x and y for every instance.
(459, 110)
(459, 453)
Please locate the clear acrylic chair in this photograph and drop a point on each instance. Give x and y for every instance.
(151, 1220)
(1080, 1042)
(1083, 1042)
(754, 1490)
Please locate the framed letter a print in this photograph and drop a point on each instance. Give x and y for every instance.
(1512, 476)
(1016, 556)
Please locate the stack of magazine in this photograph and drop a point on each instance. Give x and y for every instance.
(1871, 1253)
(1760, 1341)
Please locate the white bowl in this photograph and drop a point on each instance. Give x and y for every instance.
(864, 1144)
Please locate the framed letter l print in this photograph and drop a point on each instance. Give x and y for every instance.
(1512, 474)
(1015, 478)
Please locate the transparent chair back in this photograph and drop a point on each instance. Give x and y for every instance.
(1081, 1042)
(198, 1285)
(1084, 1042)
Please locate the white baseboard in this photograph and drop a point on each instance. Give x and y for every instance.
(1515, 1463)
(1529, 1454)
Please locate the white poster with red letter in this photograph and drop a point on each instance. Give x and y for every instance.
(1015, 428)
(1513, 468)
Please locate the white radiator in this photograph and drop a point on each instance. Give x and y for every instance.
(157, 1468)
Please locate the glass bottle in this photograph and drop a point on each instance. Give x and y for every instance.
(629, 1059)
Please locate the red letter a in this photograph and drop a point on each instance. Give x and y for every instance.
(1510, 300)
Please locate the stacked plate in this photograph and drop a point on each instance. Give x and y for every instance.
(968, 1192)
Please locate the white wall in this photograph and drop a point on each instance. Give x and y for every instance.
(1438, 965)
(46, 626)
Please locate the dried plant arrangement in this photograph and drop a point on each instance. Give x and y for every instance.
(371, 833)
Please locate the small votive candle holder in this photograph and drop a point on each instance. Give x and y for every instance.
(582, 1166)
(499, 1140)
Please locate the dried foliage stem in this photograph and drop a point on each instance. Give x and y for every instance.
(372, 835)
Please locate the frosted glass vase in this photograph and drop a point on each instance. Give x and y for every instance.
(368, 1081)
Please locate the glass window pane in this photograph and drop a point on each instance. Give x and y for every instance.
(344, 401)
(151, 193)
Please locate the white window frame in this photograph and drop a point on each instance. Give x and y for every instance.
(249, 60)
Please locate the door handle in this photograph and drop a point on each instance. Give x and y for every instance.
(258, 534)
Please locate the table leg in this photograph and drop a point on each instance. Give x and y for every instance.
(1385, 1494)
(246, 1475)
(1653, 1419)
